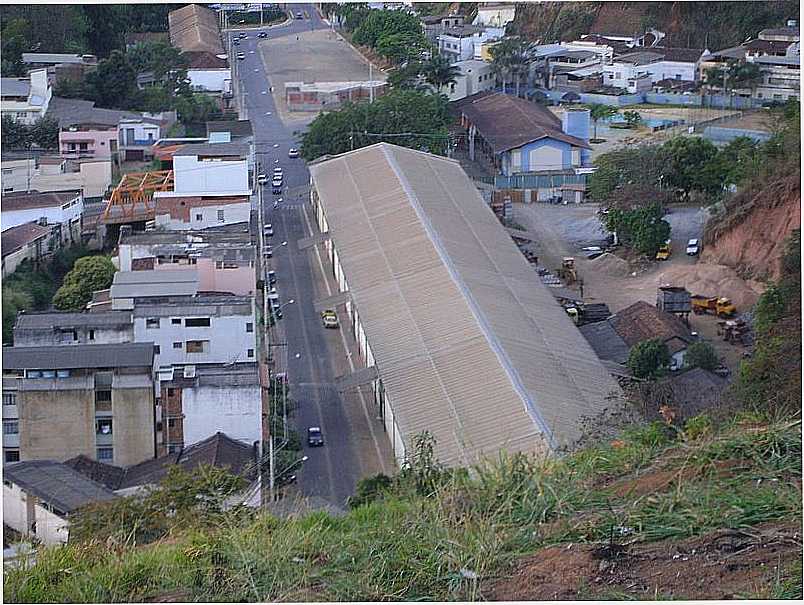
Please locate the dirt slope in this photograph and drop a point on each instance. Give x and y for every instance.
(749, 236)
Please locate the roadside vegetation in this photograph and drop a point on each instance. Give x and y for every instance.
(433, 534)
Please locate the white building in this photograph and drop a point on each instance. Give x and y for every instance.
(39, 495)
(475, 76)
(25, 99)
(62, 210)
(208, 72)
(197, 330)
(92, 178)
(458, 43)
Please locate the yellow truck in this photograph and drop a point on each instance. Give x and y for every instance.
(664, 251)
(720, 306)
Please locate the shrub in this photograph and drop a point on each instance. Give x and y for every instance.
(701, 354)
(649, 358)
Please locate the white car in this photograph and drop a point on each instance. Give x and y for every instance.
(293, 152)
(277, 172)
(277, 182)
(269, 230)
(241, 56)
(262, 179)
(693, 247)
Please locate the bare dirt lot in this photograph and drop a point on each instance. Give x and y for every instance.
(312, 56)
(564, 230)
(726, 564)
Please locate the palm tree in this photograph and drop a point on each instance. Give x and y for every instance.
(508, 58)
(598, 111)
(439, 72)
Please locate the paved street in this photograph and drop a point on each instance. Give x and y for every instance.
(356, 444)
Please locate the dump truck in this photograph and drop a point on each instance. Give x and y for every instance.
(720, 306)
(664, 251)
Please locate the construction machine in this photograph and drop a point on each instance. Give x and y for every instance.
(716, 305)
(664, 251)
(567, 272)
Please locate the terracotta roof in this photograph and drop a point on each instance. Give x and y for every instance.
(642, 321)
(16, 238)
(767, 46)
(195, 27)
(201, 59)
(25, 200)
(507, 122)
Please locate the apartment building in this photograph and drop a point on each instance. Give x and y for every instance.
(26, 100)
(96, 400)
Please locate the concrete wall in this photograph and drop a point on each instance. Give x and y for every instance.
(137, 133)
(96, 177)
(21, 510)
(210, 80)
(203, 217)
(15, 514)
(474, 78)
(47, 337)
(57, 421)
(194, 177)
(229, 341)
(236, 411)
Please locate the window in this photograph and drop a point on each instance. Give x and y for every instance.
(157, 350)
(105, 454)
(249, 327)
(197, 346)
(196, 322)
(250, 353)
(103, 396)
(103, 426)
(177, 345)
(172, 448)
(176, 321)
(199, 217)
(92, 334)
(171, 392)
(11, 455)
(152, 322)
(11, 427)
(220, 215)
(9, 399)
(171, 423)
(8, 171)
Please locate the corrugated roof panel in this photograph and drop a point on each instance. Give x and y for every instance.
(469, 343)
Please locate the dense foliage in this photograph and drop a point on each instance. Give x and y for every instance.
(771, 379)
(649, 358)
(422, 120)
(44, 133)
(509, 61)
(74, 28)
(32, 288)
(87, 275)
(701, 354)
(635, 213)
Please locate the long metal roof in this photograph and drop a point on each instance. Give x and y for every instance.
(468, 342)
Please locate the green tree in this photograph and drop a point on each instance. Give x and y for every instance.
(14, 301)
(424, 116)
(89, 274)
(643, 165)
(598, 111)
(381, 23)
(14, 41)
(440, 72)
(632, 118)
(398, 48)
(15, 134)
(649, 359)
(509, 60)
(168, 64)
(635, 215)
(687, 161)
(44, 133)
(701, 354)
(196, 108)
(409, 76)
(114, 83)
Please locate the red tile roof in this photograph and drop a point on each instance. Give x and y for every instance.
(642, 321)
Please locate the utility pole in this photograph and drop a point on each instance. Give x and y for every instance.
(371, 88)
(270, 464)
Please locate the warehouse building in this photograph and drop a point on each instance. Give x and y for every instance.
(458, 335)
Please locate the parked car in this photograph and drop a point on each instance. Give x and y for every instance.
(299, 16)
(236, 41)
(271, 277)
(243, 35)
(329, 319)
(262, 35)
(315, 438)
(278, 172)
(693, 247)
(269, 230)
(276, 190)
(269, 252)
(262, 179)
(277, 182)
(293, 152)
(241, 57)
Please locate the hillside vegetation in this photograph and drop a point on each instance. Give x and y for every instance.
(688, 24)
(730, 497)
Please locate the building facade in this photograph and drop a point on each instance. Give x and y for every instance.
(69, 328)
(61, 210)
(95, 400)
(26, 100)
